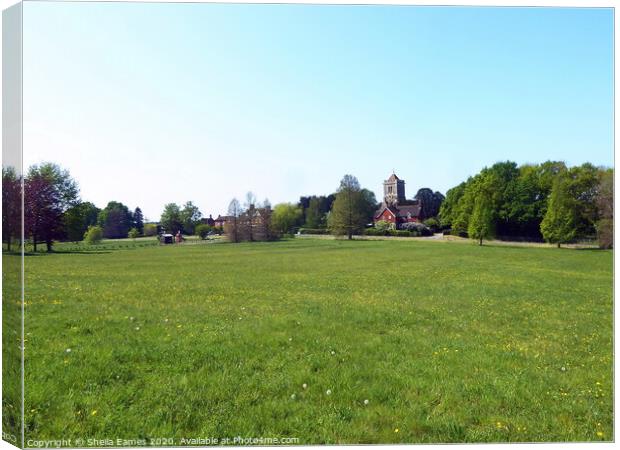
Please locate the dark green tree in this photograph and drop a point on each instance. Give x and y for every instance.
(138, 220)
(350, 209)
(115, 220)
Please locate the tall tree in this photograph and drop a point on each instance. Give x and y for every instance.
(430, 202)
(605, 205)
(481, 221)
(78, 218)
(313, 213)
(42, 211)
(138, 220)
(171, 218)
(559, 224)
(349, 210)
(285, 216)
(115, 220)
(11, 206)
(190, 217)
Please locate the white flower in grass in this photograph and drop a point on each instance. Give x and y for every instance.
(563, 369)
(137, 328)
(131, 318)
(290, 339)
(68, 350)
(328, 392)
(366, 402)
(305, 386)
(293, 396)
(333, 352)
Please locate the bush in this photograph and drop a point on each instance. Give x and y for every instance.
(150, 229)
(418, 228)
(133, 233)
(93, 235)
(383, 225)
(313, 231)
(203, 230)
(433, 224)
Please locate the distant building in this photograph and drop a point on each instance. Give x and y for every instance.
(208, 221)
(220, 221)
(396, 208)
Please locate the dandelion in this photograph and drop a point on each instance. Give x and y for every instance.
(333, 352)
(599, 433)
(328, 392)
(396, 430)
(68, 350)
(305, 386)
(563, 369)
(366, 402)
(94, 413)
(293, 397)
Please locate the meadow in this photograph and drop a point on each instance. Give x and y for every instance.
(326, 341)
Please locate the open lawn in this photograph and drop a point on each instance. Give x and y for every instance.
(446, 342)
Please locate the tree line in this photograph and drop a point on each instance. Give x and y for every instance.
(548, 201)
(348, 211)
(53, 209)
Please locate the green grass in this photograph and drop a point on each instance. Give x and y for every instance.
(447, 342)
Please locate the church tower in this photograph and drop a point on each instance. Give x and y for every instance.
(394, 191)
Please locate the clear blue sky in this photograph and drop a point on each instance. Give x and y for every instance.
(154, 103)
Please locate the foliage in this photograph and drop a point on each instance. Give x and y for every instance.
(115, 220)
(418, 228)
(189, 216)
(433, 224)
(430, 202)
(352, 209)
(150, 229)
(481, 223)
(49, 191)
(605, 206)
(202, 230)
(133, 233)
(313, 231)
(11, 206)
(285, 217)
(232, 225)
(171, 219)
(93, 235)
(383, 225)
(559, 224)
(138, 220)
(78, 218)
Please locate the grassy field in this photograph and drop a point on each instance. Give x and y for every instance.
(326, 341)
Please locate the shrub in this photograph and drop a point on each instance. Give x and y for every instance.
(433, 224)
(133, 233)
(203, 230)
(383, 225)
(93, 235)
(150, 229)
(313, 231)
(419, 228)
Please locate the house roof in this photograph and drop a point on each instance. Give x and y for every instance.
(400, 211)
(406, 209)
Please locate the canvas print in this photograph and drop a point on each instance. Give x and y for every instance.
(300, 224)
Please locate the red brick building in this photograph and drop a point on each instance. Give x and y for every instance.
(396, 208)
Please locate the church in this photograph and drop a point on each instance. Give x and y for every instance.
(395, 208)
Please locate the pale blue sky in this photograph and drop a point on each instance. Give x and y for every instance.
(154, 103)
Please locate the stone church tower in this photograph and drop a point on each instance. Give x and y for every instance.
(394, 191)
